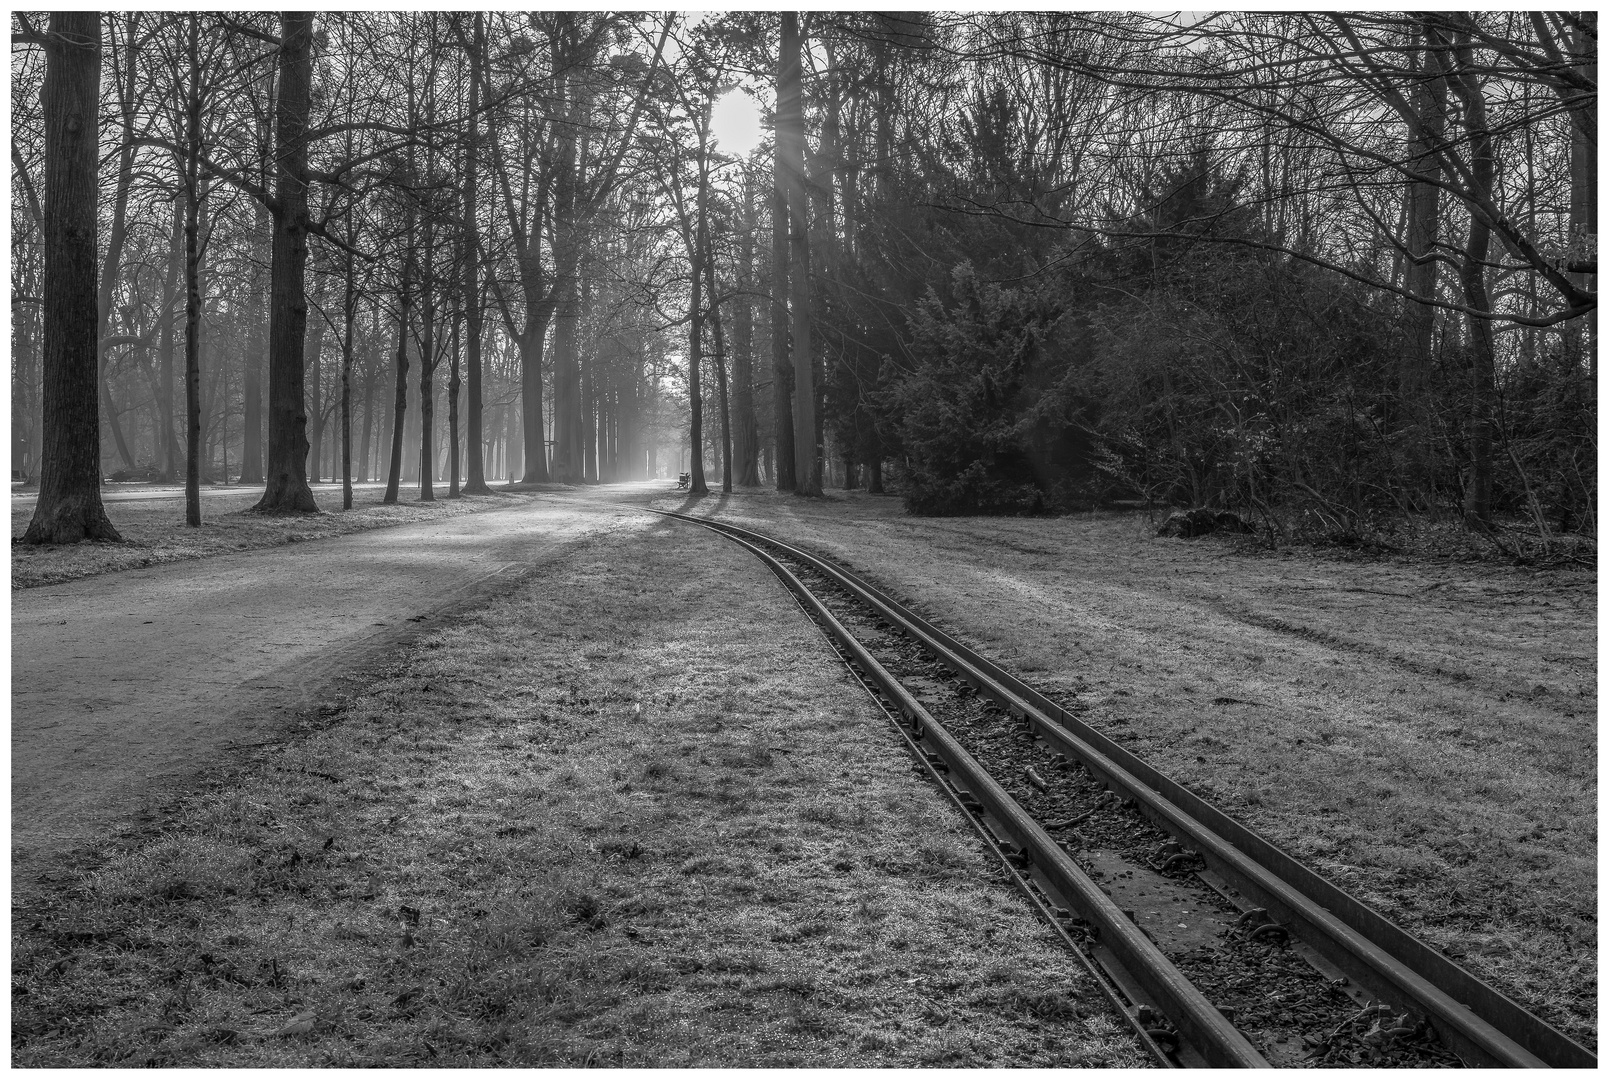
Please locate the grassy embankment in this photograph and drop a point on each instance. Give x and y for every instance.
(1420, 730)
(631, 813)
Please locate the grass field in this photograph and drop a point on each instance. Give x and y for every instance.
(631, 813)
(1421, 731)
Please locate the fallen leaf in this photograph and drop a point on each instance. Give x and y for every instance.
(300, 1024)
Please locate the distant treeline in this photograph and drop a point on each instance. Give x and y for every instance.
(1326, 270)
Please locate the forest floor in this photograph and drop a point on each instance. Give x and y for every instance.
(627, 809)
(1421, 731)
(151, 521)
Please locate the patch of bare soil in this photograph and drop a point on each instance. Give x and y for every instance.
(1421, 732)
(631, 812)
(154, 531)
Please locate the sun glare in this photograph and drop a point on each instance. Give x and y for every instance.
(735, 122)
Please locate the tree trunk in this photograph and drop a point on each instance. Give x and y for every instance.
(27, 402)
(1584, 185)
(781, 368)
(118, 237)
(514, 455)
(476, 481)
(430, 296)
(398, 427)
(695, 331)
(24, 392)
(192, 281)
(287, 490)
(428, 358)
(587, 365)
(257, 338)
(453, 383)
(1472, 274)
(251, 454)
(69, 505)
(790, 132)
(1422, 211)
(370, 370)
(746, 441)
(349, 309)
(720, 365)
(170, 293)
(315, 370)
(566, 468)
(533, 448)
(567, 453)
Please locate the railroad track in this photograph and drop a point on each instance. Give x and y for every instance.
(1219, 948)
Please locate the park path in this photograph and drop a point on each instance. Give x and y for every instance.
(168, 492)
(128, 681)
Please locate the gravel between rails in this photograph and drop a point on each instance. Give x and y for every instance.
(1294, 1012)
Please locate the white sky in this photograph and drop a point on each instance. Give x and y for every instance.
(735, 123)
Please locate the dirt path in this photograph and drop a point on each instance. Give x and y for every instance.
(168, 492)
(129, 681)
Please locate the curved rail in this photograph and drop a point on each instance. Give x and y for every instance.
(1218, 1041)
(834, 631)
(1473, 1018)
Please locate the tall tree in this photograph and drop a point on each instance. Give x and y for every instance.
(475, 484)
(746, 436)
(286, 460)
(194, 203)
(781, 366)
(791, 137)
(69, 505)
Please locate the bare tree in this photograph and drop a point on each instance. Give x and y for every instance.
(287, 490)
(791, 139)
(69, 505)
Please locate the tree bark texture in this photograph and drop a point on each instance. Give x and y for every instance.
(567, 463)
(349, 310)
(1584, 180)
(454, 383)
(428, 358)
(781, 366)
(192, 281)
(475, 483)
(746, 435)
(69, 505)
(1472, 274)
(790, 132)
(1422, 205)
(286, 460)
(1421, 211)
(170, 295)
(720, 365)
(400, 414)
(695, 342)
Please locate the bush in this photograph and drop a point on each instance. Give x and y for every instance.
(985, 419)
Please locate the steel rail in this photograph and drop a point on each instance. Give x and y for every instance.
(1218, 1041)
(1108, 987)
(1477, 1021)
